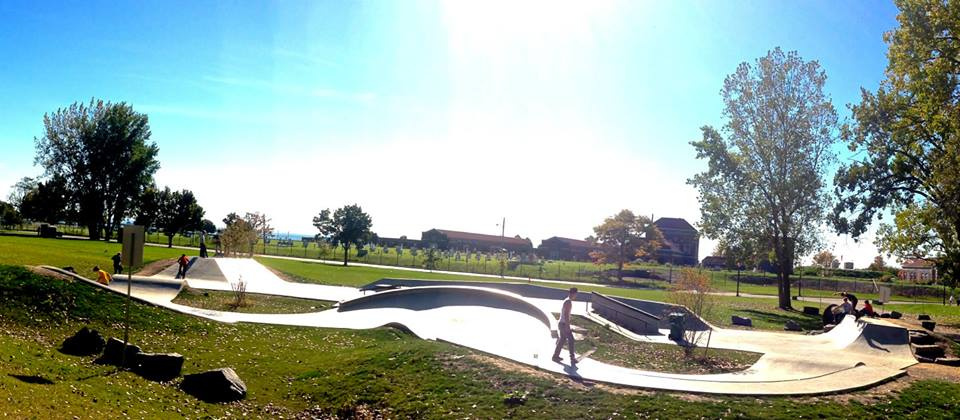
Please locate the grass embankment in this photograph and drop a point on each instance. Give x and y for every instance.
(218, 300)
(82, 255)
(616, 349)
(311, 372)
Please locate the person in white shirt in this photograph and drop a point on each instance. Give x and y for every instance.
(565, 335)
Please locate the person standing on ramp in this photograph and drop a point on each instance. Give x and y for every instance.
(565, 335)
(182, 262)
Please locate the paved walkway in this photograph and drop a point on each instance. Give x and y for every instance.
(855, 354)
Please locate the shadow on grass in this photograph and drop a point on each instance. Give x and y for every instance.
(807, 322)
(31, 379)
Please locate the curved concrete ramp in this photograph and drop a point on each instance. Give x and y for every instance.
(855, 354)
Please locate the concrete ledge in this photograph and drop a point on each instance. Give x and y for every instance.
(626, 316)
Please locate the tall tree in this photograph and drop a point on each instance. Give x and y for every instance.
(179, 213)
(149, 206)
(625, 237)
(348, 226)
(825, 260)
(47, 201)
(231, 219)
(906, 139)
(9, 216)
(102, 151)
(765, 180)
(878, 264)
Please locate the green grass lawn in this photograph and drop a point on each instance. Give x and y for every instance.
(218, 300)
(616, 349)
(312, 372)
(82, 255)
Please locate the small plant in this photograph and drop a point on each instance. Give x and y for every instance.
(239, 293)
(692, 290)
(515, 398)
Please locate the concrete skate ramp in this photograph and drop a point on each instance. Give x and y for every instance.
(657, 309)
(145, 289)
(432, 297)
(198, 269)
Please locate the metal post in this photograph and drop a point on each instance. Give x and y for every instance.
(126, 310)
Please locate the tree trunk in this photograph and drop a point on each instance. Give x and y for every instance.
(620, 271)
(93, 231)
(169, 241)
(346, 252)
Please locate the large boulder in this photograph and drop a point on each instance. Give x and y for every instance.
(928, 325)
(811, 310)
(792, 326)
(895, 315)
(159, 366)
(114, 353)
(219, 385)
(741, 321)
(923, 317)
(85, 342)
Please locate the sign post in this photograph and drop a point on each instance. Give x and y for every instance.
(132, 255)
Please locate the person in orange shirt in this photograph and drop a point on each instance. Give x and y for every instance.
(103, 277)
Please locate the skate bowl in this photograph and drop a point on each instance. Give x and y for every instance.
(432, 297)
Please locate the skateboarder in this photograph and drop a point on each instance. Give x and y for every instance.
(850, 297)
(117, 267)
(564, 335)
(103, 277)
(182, 263)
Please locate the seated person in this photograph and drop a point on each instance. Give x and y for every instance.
(867, 309)
(850, 297)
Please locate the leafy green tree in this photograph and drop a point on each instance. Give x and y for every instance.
(148, 208)
(623, 238)
(179, 213)
(906, 139)
(102, 151)
(9, 216)
(765, 179)
(208, 226)
(431, 259)
(47, 201)
(349, 225)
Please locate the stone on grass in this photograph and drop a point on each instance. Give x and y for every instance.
(114, 353)
(159, 366)
(85, 342)
(895, 315)
(920, 337)
(218, 385)
(923, 317)
(792, 326)
(884, 315)
(811, 310)
(928, 325)
(742, 321)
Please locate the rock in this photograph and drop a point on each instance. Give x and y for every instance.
(85, 342)
(219, 385)
(895, 315)
(792, 326)
(159, 366)
(811, 310)
(920, 337)
(949, 361)
(113, 353)
(931, 351)
(928, 325)
(884, 315)
(923, 317)
(745, 322)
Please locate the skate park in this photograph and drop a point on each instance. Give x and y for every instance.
(515, 321)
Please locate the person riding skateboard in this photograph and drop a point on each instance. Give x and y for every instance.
(564, 334)
(182, 262)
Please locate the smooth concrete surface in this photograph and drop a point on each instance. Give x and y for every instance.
(855, 354)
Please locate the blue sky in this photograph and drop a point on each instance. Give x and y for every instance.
(428, 114)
